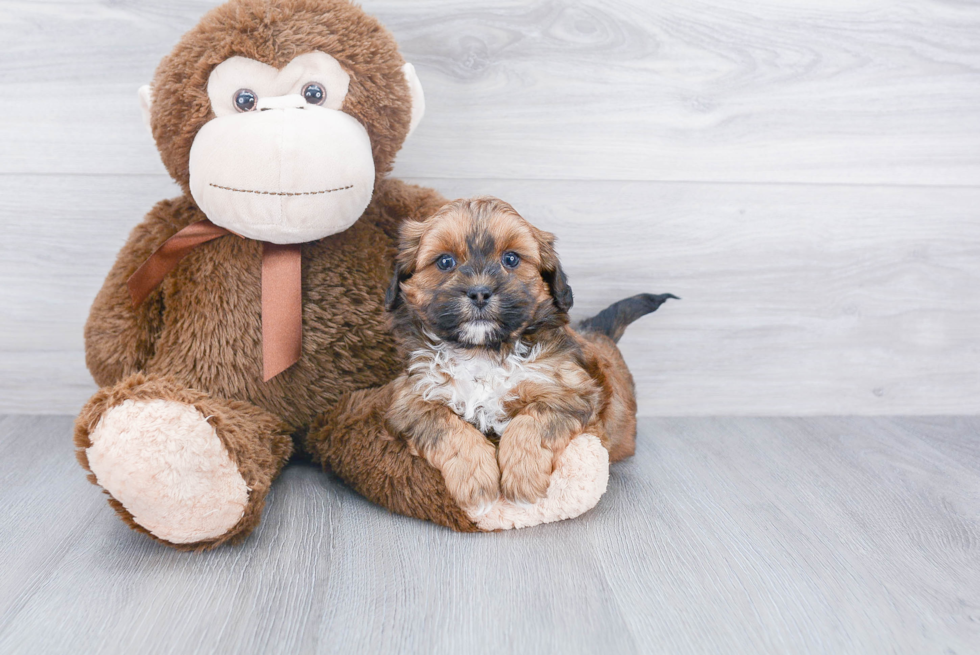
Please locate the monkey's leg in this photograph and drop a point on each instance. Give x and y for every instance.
(352, 441)
(187, 469)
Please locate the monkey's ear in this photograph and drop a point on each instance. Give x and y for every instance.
(146, 101)
(418, 97)
(552, 273)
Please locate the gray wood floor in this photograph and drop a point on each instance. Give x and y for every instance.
(805, 175)
(722, 535)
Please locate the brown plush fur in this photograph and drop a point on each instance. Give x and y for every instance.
(197, 338)
(203, 324)
(585, 387)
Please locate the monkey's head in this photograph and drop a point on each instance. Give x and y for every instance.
(279, 117)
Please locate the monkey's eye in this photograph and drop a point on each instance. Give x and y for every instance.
(314, 93)
(510, 259)
(446, 263)
(245, 100)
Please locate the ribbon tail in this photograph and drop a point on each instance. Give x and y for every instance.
(282, 307)
(165, 258)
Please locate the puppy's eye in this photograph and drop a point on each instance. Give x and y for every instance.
(314, 93)
(510, 259)
(446, 263)
(245, 100)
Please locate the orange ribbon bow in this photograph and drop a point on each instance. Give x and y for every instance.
(282, 294)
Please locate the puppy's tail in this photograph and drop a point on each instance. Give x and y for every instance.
(612, 320)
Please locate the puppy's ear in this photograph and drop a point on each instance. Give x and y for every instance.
(410, 235)
(552, 272)
(393, 296)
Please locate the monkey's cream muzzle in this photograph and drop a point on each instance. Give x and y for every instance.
(287, 172)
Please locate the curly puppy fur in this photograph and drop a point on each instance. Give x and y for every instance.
(479, 305)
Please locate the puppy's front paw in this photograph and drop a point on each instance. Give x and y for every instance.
(473, 478)
(579, 480)
(525, 469)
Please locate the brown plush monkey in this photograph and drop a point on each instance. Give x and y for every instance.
(263, 308)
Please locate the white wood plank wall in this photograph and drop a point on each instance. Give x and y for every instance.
(805, 174)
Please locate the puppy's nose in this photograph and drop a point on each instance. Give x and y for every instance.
(479, 295)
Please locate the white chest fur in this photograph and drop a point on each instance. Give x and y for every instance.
(473, 383)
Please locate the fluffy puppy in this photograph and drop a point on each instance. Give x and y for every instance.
(479, 306)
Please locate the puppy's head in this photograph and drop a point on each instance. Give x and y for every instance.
(478, 275)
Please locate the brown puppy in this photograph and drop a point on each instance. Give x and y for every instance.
(479, 306)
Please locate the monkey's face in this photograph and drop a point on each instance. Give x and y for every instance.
(478, 275)
(281, 161)
(279, 117)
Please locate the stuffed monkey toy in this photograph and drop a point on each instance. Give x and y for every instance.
(243, 321)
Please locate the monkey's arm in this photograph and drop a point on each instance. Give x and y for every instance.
(119, 339)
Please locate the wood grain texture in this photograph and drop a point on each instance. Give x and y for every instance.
(820, 535)
(873, 91)
(797, 299)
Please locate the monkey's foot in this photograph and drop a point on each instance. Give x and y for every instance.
(167, 467)
(578, 481)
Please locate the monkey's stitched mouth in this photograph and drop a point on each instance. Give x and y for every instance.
(283, 193)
